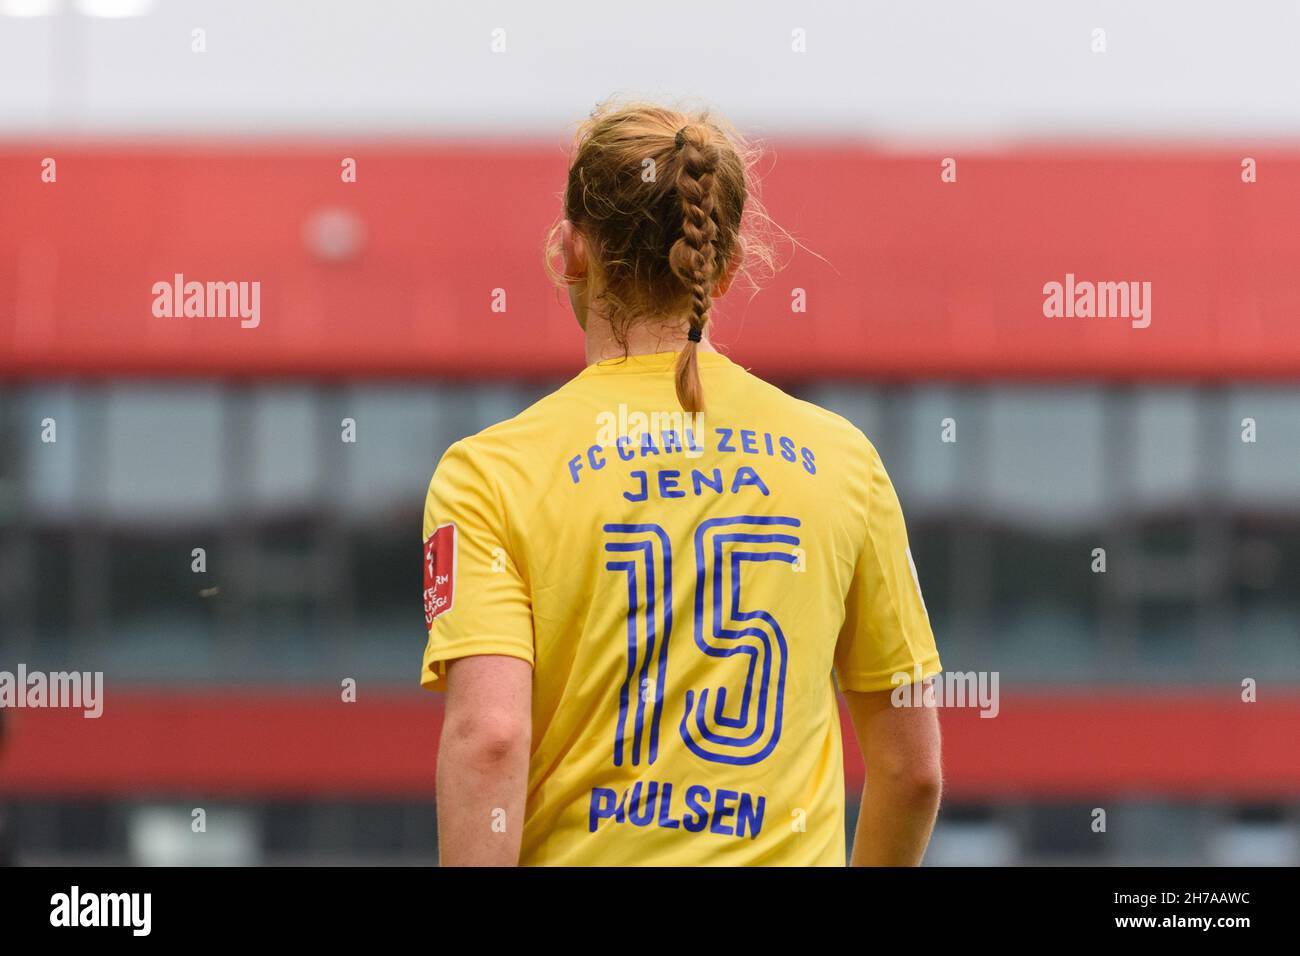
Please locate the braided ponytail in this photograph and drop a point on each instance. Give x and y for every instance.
(694, 258)
(661, 245)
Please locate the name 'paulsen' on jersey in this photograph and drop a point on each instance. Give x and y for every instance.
(650, 803)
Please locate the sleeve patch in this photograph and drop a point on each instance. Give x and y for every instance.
(439, 572)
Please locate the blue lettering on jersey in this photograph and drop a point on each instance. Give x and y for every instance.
(644, 493)
(672, 441)
(732, 813)
(666, 483)
(700, 480)
(746, 476)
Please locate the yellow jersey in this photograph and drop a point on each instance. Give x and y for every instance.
(684, 586)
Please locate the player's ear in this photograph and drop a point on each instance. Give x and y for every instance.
(574, 248)
(729, 273)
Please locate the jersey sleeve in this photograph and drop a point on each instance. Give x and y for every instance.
(886, 628)
(475, 598)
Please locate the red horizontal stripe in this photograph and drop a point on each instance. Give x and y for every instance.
(1093, 742)
(1049, 743)
(905, 275)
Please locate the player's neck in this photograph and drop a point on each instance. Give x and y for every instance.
(643, 338)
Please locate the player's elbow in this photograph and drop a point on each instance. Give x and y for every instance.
(918, 782)
(490, 737)
(925, 784)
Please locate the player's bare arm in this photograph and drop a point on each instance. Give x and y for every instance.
(900, 798)
(483, 761)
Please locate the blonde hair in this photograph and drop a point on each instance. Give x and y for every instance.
(662, 198)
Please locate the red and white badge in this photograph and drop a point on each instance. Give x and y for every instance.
(439, 572)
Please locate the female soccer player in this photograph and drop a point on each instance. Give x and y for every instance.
(637, 590)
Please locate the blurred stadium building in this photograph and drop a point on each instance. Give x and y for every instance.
(924, 321)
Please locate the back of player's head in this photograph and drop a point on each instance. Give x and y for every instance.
(659, 196)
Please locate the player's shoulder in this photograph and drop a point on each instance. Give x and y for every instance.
(847, 437)
(517, 438)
